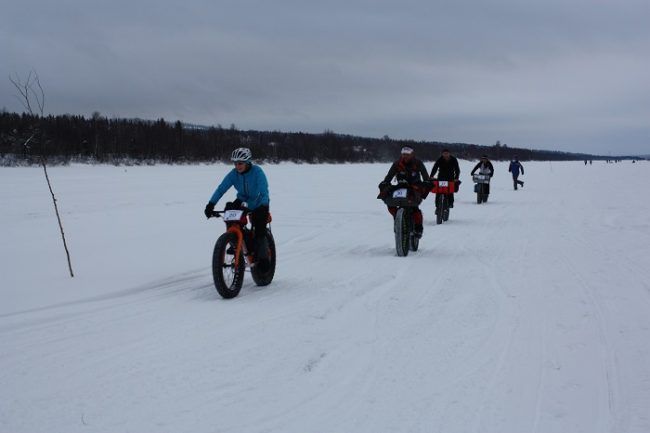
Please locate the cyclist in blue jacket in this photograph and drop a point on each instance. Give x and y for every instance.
(514, 168)
(252, 193)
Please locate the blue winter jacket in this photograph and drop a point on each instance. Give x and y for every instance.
(514, 168)
(251, 187)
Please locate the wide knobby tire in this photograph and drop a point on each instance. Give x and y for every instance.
(415, 242)
(440, 202)
(445, 209)
(402, 233)
(228, 279)
(265, 278)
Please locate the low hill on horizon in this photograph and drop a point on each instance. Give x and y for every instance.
(66, 138)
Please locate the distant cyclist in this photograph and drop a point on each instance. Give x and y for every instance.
(410, 169)
(515, 168)
(252, 193)
(448, 169)
(484, 166)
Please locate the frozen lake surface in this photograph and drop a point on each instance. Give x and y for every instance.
(530, 313)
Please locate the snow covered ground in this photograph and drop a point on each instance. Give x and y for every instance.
(530, 313)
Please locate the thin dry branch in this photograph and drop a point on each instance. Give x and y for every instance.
(27, 93)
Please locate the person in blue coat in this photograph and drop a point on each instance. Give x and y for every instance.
(252, 193)
(515, 168)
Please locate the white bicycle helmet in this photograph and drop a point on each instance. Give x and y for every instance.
(241, 154)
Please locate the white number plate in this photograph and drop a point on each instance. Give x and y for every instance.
(400, 193)
(232, 215)
(443, 183)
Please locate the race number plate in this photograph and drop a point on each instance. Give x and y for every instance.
(400, 193)
(443, 183)
(232, 215)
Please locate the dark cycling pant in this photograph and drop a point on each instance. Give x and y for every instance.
(259, 219)
(417, 214)
(483, 188)
(450, 200)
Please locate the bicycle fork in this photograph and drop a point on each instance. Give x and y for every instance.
(241, 245)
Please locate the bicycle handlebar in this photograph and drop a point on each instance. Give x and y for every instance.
(219, 213)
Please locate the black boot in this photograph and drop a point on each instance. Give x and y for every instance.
(417, 230)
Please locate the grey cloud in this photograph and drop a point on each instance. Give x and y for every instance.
(567, 75)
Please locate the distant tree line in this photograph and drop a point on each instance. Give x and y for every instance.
(67, 138)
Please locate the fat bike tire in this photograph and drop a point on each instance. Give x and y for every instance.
(228, 277)
(439, 207)
(402, 233)
(445, 209)
(265, 278)
(414, 242)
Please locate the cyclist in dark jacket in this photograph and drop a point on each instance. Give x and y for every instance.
(448, 169)
(484, 166)
(409, 169)
(515, 167)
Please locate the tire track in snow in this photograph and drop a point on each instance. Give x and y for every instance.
(608, 351)
(63, 312)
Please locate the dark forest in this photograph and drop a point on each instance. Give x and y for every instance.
(71, 138)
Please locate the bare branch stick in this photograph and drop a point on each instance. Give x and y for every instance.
(27, 92)
(56, 210)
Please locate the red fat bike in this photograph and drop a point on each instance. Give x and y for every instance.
(234, 253)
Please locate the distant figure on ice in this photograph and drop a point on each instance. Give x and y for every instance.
(411, 170)
(515, 167)
(585, 162)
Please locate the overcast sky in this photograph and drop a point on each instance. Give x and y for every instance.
(554, 74)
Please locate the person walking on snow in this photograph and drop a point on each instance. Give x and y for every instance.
(515, 167)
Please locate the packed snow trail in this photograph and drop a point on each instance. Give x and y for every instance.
(525, 314)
